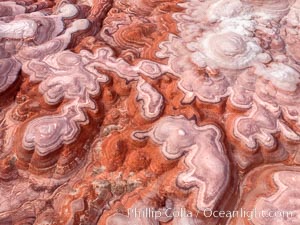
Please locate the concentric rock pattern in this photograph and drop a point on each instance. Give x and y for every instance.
(150, 112)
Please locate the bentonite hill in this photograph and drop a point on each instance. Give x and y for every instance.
(150, 112)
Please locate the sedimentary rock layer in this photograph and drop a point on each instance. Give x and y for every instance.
(149, 112)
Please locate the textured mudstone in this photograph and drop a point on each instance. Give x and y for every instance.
(149, 111)
(179, 136)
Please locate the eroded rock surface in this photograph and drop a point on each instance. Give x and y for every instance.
(149, 112)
